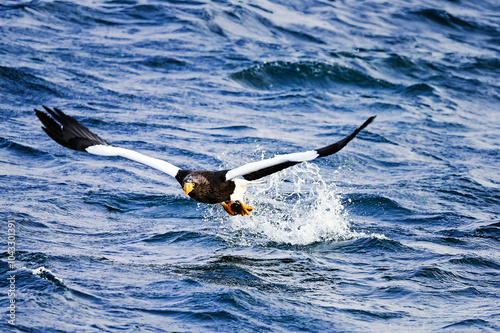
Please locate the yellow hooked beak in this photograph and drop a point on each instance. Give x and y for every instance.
(188, 187)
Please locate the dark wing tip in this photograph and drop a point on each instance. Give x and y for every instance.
(66, 130)
(332, 149)
(368, 121)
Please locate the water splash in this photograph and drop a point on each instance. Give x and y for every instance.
(295, 207)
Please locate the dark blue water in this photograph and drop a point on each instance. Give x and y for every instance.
(400, 231)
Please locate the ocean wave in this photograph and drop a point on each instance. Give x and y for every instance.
(444, 18)
(375, 205)
(471, 324)
(475, 261)
(21, 82)
(21, 149)
(491, 231)
(177, 236)
(437, 274)
(161, 63)
(68, 16)
(374, 243)
(124, 202)
(306, 74)
(230, 275)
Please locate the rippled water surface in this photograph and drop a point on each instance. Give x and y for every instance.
(400, 231)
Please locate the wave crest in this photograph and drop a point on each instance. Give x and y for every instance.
(308, 74)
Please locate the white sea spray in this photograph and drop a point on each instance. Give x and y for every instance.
(295, 207)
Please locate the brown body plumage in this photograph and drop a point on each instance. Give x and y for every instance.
(210, 186)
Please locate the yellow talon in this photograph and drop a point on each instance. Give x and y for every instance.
(227, 208)
(236, 207)
(245, 209)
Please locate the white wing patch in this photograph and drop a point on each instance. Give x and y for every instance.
(239, 190)
(104, 150)
(256, 166)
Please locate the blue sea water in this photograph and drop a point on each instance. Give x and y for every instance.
(400, 231)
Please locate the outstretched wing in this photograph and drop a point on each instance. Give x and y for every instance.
(66, 131)
(69, 133)
(256, 170)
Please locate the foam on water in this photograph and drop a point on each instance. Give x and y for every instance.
(46, 274)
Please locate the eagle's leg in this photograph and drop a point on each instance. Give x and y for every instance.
(237, 207)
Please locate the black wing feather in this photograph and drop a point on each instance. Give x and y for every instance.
(66, 131)
(268, 171)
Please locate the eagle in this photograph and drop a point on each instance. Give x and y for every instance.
(226, 187)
